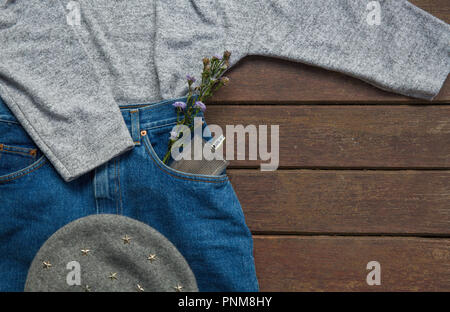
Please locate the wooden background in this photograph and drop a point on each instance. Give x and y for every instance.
(364, 175)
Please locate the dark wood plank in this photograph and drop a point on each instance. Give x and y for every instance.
(339, 263)
(363, 202)
(438, 8)
(350, 136)
(257, 79)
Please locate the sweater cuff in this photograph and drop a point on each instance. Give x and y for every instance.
(438, 75)
(429, 42)
(85, 158)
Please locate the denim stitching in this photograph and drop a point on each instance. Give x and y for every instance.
(16, 152)
(38, 136)
(21, 173)
(95, 190)
(120, 189)
(10, 121)
(25, 149)
(135, 128)
(115, 186)
(160, 126)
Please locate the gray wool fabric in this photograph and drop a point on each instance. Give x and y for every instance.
(65, 81)
(110, 253)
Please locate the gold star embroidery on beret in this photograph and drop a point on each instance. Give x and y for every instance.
(85, 252)
(151, 258)
(47, 264)
(140, 288)
(126, 239)
(113, 276)
(178, 288)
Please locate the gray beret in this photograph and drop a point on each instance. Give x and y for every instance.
(109, 253)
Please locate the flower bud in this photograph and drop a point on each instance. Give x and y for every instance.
(200, 105)
(226, 55)
(190, 79)
(225, 80)
(206, 61)
(226, 58)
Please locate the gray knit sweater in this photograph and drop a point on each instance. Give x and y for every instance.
(64, 74)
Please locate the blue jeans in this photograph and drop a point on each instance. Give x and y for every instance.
(199, 214)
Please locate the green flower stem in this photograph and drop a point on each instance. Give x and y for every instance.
(166, 158)
(210, 82)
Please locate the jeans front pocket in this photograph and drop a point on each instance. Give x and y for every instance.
(200, 214)
(13, 158)
(156, 143)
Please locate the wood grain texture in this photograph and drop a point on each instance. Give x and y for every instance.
(260, 80)
(438, 8)
(350, 202)
(371, 210)
(330, 136)
(257, 79)
(290, 263)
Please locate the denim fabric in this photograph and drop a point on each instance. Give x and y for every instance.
(199, 214)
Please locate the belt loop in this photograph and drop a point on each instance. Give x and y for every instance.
(135, 127)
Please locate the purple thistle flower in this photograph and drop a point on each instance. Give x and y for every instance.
(191, 78)
(200, 105)
(181, 105)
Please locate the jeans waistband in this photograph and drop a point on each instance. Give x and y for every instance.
(150, 114)
(136, 116)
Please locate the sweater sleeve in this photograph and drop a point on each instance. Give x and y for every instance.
(392, 45)
(52, 88)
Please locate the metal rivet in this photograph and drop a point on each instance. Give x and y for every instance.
(143, 133)
(1, 147)
(33, 152)
(151, 258)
